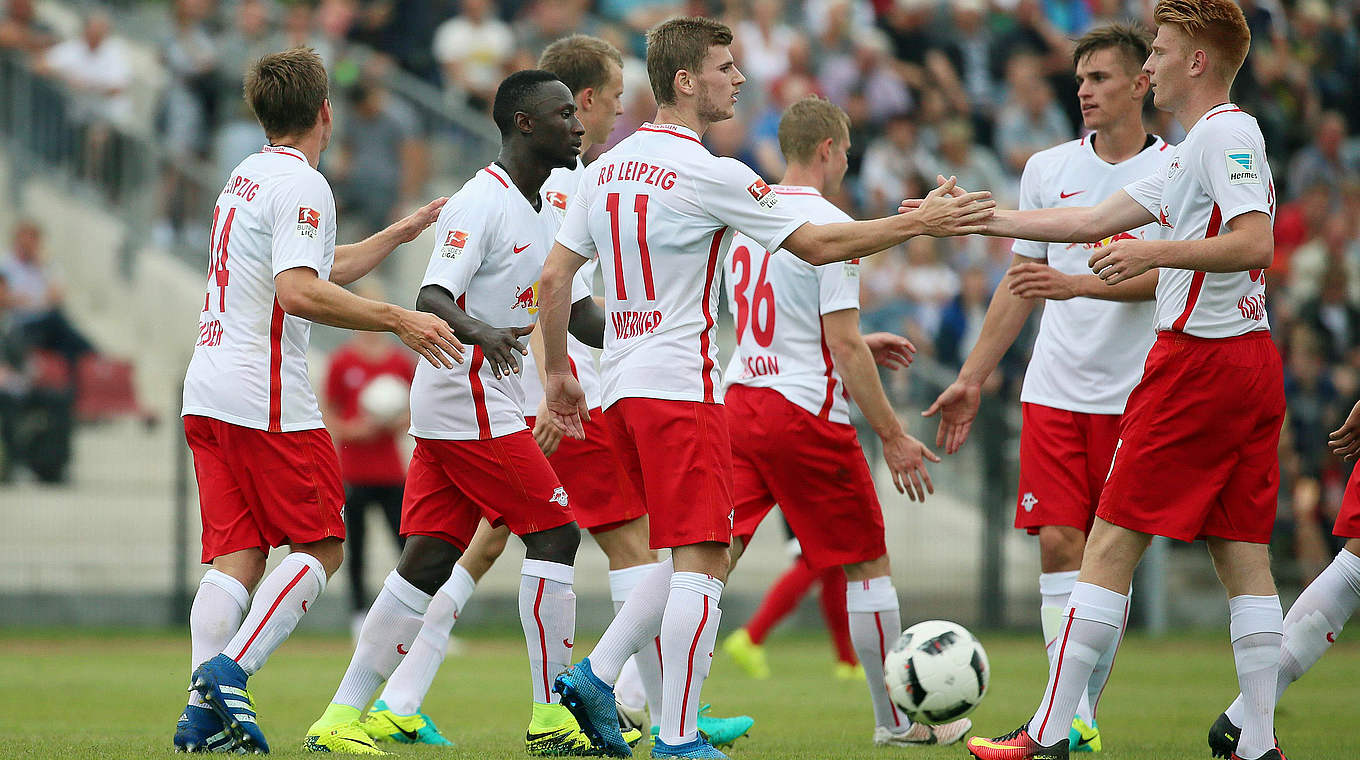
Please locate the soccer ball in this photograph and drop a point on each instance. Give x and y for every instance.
(936, 672)
(385, 398)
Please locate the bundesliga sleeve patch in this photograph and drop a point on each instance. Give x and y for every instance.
(453, 244)
(309, 222)
(1242, 169)
(763, 194)
(556, 199)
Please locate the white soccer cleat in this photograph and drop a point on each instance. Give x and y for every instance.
(921, 734)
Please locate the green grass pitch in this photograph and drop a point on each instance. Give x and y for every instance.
(116, 695)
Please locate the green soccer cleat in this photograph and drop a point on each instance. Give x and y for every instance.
(724, 732)
(1083, 737)
(553, 732)
(383, 725)
(849, 672)
(748, 655)
(338, 730)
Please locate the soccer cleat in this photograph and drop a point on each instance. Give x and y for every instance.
(698, 747)
(1083, 737)
(341, 738)
(383, 725)
(1017, 745)
(553, 732)
(222, 685)
(1223, 736)
(200, 730)
(846, 671)
(748, 655)
(1274, 754)
(592, 702)
(723, 732)
(631, 717)
(921, 734)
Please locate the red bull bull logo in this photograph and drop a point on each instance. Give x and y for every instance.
(527, 299)
(1105, 242)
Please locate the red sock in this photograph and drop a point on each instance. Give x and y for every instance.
(782, 597)
(833, 611)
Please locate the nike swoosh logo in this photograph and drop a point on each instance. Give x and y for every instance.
(520, 248)
(412, 735)
(547, 735)
(356, 741)
(1060, 195)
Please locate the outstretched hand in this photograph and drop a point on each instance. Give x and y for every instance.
(567, 404)
(957, 407)
(948, 210)
(906, 458)
(409, 227)
(890, 350)
(1034, 280)
(1345, 441)
(1124, 259)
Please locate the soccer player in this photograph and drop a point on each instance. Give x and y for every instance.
(1196, 455)
(1320, 612)
(267, 471)
(799, 351)
(660, 208)
(1089, 353)
(603, 500)
(474, 456)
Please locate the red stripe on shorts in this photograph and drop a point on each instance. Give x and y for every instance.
(708, 313)
(1197, 282)
(276, 369)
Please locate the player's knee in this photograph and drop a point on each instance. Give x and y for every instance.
(1060, 548)
(553, 545)
(426, 562)
(874, 568)
(330, 552)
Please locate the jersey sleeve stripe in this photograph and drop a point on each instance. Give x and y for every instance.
(1197, 282)
(708, 313)
(276, 368)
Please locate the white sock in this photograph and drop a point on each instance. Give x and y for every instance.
(1100, 674)
(280, 602)
(640, 679)
(1257, 628)
(875, 624)
(547, 610)
(219, 605)
(389, 630)
(689, 631)
(637, 623)
(1055, 589)
(410, 682)
(1094, 618)
(1313, 623)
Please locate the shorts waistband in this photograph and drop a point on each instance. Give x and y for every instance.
(1175, 336)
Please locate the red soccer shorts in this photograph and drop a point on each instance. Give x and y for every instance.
(602, 496)
(1197, 454)
(451, 485)
(677, 455)
(1348, 519)
(812, 468)
(1064, 460)
(257, 489)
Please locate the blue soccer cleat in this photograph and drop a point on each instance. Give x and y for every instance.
(200, 730)
(222, 684)
(724, 732)
(696, 748)
(591, 701)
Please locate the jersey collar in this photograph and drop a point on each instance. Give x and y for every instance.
(796, 190)
(1221, 108)
(286, 150)
(673, 129)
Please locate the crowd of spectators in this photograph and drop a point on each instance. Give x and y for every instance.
(970, 88)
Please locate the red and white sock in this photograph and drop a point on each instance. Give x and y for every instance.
(547, 610)
(410, 682)
(1257, 629)
(640, 679)
(636, 625)
(219, 605)
(875, 624)
(1092, 623)
(1313, 623)
(389, 631)
(689, 631)
(280, 602)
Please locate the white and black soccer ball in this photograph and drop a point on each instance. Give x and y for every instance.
(386, 398)
(936, 672)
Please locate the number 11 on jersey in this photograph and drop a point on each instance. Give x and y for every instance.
(644, 256)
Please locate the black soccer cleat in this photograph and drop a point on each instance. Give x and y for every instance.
(1223, 736)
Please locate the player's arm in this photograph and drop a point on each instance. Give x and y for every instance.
(500, 345)
(906, 456)
(958, 404)
(302, 293)
(1035, 280)
(942, 213)
(566, 399)
(586, 323)
(1248, 244)
(358, 259)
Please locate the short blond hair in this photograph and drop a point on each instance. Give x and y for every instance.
(1217, 24)
(680, 44)
(808, 122)
(581, 62)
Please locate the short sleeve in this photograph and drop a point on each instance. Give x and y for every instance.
(1231, 167)
(466, 230)
(580, 285)
(838, 286)
(1147, 192)
(736, 196)
(1031, 197)
(575, 230)
(300, 209)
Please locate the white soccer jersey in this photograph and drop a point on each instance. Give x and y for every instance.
(1089, 353)
(777, 301)
(660, 211)
(490, 245)
(1219, 172)
(559, 190)
(250, 363)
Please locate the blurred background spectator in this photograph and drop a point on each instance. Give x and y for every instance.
(35, 296)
